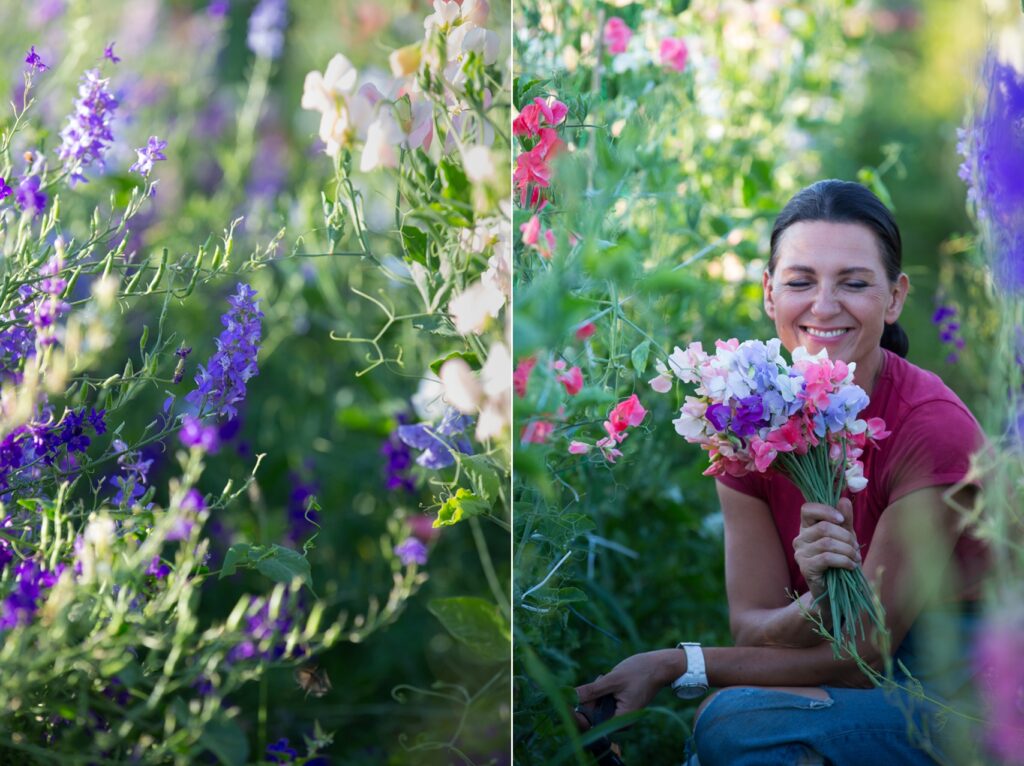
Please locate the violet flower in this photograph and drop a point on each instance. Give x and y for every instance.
(1001, 683)
(33, 60)
(87, 136)
(108, 53)
(21, 604)
(194, 434)
(221, 382)
(411, 551)
(281, 752)
(437, 442)
(147, 155)
(30, 198)
(5, 190)
(266, 28)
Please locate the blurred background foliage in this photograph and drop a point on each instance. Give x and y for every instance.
(659, 208)
(244, 157)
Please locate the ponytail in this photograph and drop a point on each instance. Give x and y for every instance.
(895, 339)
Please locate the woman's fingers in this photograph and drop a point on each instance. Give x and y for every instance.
(812, 513)
(593, 691)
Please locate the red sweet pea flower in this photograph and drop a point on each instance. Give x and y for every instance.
(521, 375)
(572, 380)
(626, 413)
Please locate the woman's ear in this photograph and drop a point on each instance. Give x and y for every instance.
(769, 296)
(897, 297)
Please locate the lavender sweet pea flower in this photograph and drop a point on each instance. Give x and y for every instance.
(843, 408)
(749, 415)
(718, 416)
(437, 442)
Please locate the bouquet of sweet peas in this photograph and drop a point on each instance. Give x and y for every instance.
(754, 412)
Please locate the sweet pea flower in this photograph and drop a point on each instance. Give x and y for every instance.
(579, 448)
(572, 380)
(662, 383)
(673, 53)
(471, 309)
(521, 375)
(537, 432)
(585, 330)
(617, 35)
(626, 413)
(530, 230)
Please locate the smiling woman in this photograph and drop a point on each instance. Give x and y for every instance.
(834, 283)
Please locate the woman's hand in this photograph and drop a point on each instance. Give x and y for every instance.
(636, 680)
(826, 541)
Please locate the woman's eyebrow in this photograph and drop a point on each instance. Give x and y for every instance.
(842, 272)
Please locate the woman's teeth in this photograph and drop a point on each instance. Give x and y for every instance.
(824, 333)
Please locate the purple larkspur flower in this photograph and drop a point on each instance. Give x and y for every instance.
(158, 568)
(27, 586)
(437, 442)
(195, 434)
(265, 635)
(302, 520)
(33, 60)
(949, 331)
(87, 136)
(998, 651)
(185, 522)
(411, 551)
(29, 197)
(398, 469)
(281, 752)
(5, 190)
(220, 384)
(993, 150)
(147, 155)
(108, 53)
(266, 28)
(132, 484)
(218, 9)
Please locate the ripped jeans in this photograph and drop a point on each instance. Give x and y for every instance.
(748, 726)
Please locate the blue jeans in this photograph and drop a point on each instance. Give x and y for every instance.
(747, 726)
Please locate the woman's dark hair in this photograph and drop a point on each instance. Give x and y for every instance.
(847, 202)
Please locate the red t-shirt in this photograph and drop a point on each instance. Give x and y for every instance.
(933, 435)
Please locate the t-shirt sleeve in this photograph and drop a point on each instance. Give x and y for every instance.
(932, 447)
(751, 484)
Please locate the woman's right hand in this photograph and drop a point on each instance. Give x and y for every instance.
(636, 680)
(826, 541)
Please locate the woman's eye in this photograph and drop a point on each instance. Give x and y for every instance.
(798, 283)
(857, 285)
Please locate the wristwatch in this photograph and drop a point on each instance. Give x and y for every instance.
(694, 682)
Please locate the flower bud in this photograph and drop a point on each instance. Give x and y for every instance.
(406, 60)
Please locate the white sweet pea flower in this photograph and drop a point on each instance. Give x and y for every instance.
(663, 382)
(428, 400)
(383, 139)
(855, 479)
(461, 388)
(444, 15)
(469, 38)
(801, 354)
(690, 423)
(320, 92)
(476, 11)
(479, 164)
(471, 309)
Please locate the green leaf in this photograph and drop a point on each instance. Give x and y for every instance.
(471, 359)
(482, 476)
(237, 554)
(415, 241)
(475, 622)
(640, 356)
(227, 741)
(283, 565)
(459, 506)
(524, 92)
(454, 184)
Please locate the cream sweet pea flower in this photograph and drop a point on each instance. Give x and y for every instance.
(445, 14)
(471, 309)
(383, 139)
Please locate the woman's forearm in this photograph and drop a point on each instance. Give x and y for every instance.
(784, 626)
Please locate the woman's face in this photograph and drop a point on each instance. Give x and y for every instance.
(830, 291)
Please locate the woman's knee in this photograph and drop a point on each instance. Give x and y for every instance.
(741, 725)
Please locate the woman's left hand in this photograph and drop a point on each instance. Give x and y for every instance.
(636, 680)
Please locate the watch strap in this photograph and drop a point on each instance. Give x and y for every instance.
(694, 682)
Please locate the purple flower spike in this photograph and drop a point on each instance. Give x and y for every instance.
(266, 28)
(221, 382)
(29, 198)
(148, 154)
(5, 190)
(87, 136)
(33, 60)
(108, 53)
(194, 434)
(411, 551)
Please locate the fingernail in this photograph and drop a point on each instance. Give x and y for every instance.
(839, 517)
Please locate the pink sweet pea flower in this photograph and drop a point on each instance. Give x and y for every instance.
(579, 448)
(673, 53)
(572, 380)
(585, 330)
(617, 35)
(554, 113)
(627, 413)
(537, 432)
(530, 230)
(521, 375)
(528, 121)
(764, 453)
(876, 429)
(547, 252)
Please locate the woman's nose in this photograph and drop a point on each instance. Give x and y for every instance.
(825, 303)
